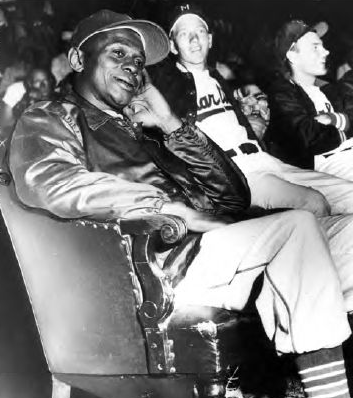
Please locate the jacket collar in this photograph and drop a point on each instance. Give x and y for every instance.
(212, 70)
(94, 116)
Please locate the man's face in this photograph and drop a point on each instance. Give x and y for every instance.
(41, 81)
(191, 40)
(310, 55)
(112, 71)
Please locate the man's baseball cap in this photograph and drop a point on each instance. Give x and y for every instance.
(153, 37)
(186, 9)
(292, 31)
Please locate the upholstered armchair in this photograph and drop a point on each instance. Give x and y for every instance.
(104, 308)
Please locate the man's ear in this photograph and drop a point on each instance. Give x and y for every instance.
(76, 59)
(210, 40)
(173, 48)
(291, 56)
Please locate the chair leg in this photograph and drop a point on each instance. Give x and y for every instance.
(60, 389)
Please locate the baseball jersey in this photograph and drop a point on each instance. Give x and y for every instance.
(217, 119)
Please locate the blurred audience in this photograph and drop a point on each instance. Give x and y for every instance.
(347, 64)
(13, 73)
(60, 66)
(38, 85)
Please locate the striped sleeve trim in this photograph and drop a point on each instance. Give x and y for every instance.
(344, 392)
(339, 120)
(324, 376)
(339, 383)
(342, 136)
(322, 367)
(331, 378)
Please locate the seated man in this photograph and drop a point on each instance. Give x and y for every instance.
(83, 157)
(308, 128)
(39, 85)
(197, 92)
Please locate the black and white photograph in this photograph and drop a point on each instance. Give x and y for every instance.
(176, 199)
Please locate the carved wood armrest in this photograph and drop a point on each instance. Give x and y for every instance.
(158, 296)
(170, 228)
(144, 233)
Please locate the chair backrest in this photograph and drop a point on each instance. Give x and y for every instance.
(79, 281)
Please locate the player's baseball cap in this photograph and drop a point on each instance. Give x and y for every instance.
(292, 31)
(186, 9)
(153, 37)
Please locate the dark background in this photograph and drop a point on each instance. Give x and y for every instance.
(244, 27)
(248, 17)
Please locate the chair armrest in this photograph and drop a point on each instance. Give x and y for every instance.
(153, 292)
(143, 234)
(171, 229)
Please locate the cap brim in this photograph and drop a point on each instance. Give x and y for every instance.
(320, 28)
(156, 41)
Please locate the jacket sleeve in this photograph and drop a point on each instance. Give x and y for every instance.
(294, 122)
(219, 178)
(49, 167)
(340, 94)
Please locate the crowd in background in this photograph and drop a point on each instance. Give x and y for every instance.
(35, 35)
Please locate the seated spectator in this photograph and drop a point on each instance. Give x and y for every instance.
(38, 85)
(197, 92)
(307, 128)
(60, 66)
(345, 67)
(15, 72)
(347, 64)
(342, 92)
(13, 83)
(3, 20)
(88, 155)
(14, 93)
(224, 70)
(254, 104)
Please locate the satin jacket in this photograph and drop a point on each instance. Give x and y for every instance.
(72, 159)
(179, 90)
(293, 135)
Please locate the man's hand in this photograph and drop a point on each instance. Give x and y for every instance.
(258, 125)
(323, 119)
(150, 108)
(195, 220)
(316, 202)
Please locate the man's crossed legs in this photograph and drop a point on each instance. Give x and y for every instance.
(301, 304)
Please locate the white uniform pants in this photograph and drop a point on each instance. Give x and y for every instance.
(301, 303)
(277, 184)
(340, 163)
